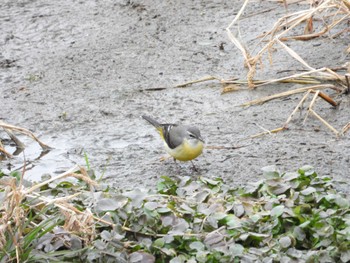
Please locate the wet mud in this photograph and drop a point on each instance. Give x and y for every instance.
(79, 74)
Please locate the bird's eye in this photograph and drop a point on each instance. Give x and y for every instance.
(191, 135)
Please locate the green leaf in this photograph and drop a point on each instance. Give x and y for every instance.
(290, 176)
(308, 191)
(210, 181)
(167, 186)
(306, 170)
(196, 245)
(111, 204)
(277, 211)
(299, 233)
(163, 210)
(345, 256)
(285, 242)
(342, 202)
(159, 242)
(141, 257)
(151, 205)
(179, 228)
(236, 249)
(270, 172)
(213, 238)
(238, 209)
(232, 221)
(136, 197)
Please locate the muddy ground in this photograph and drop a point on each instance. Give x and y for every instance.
(77, 74)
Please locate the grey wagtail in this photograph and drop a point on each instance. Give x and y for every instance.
(182, 142)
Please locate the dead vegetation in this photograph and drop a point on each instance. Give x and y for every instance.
(25, 212)
(10, 129)
(313, 22)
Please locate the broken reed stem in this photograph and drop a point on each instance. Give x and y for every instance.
(347, 79)
(292, 77)
(345, 128)
(268, 132)
(296, 109)
(284, 26)
(47, 201)
(324, 122)
(9, 155)
(196, 81)
(25, 132)
(15, 139)
(317, 93)
(327, 98)
(310, 106)
(314, 99)
(65, 174)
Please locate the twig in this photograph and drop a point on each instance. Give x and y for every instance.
(347, 78)
(196, 81)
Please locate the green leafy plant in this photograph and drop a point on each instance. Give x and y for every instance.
(296, 216)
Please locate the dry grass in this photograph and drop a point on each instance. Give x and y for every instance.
(337, 10)
(317, 20)
(18, 200)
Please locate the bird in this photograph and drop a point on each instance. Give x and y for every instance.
(182, 142)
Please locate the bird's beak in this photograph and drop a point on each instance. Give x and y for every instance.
(201, 139)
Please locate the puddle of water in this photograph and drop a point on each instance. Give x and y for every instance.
(36, 162)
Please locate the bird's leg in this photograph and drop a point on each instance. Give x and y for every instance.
(177, 166)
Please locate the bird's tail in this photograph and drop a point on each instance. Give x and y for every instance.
(152, 121)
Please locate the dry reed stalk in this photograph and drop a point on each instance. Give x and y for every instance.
(60, 176)
(285, 94)
(12, 214)
(310, 110)
(345, 129)
(14, 138)
(296, 108)
(268, 132)
(82, 223)
(8, 155)
(317, 93)
(324, 122)
(26, 132)
(327, 98)
(284, 26)
(196, 81)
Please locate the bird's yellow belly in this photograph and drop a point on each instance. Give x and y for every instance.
(186, 151)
